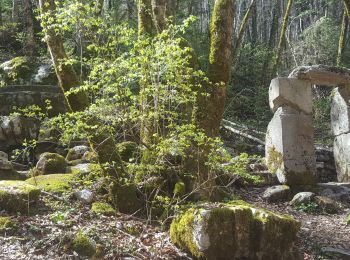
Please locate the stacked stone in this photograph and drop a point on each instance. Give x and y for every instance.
(340, 113)
(290, 151)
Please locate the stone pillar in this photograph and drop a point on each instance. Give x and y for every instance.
(290, 150)
(340, 118)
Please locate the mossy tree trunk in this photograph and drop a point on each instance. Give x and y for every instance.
(29, 47)
(66, 74)
(347, 5)
(342, 38)
(211, 106)
(145, 20)
(102, 142)
(282, 38)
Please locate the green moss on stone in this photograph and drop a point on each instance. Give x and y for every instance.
(83, 245)
(103, 208)
(181, 232)
(347, 220)
(15, 196)
(55, 183)
(51, 163)
(275, 160)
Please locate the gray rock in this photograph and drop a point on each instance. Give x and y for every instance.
(77, 152)
(278, 193)
(336, 191)
(336, 253)
(85, 196)
(4, 156)
(292, 93)
(342, 157)
(302, 198)
(340, 111)
(51, 163)
(327, 205)
(290, 150)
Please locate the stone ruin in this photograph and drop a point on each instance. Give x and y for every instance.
(290, 148)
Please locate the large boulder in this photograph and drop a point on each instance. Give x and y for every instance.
(51, 163)
(340, 111)
(7, 171)
(278, 193)
(15, 196)
(290, 151)
(235, 231)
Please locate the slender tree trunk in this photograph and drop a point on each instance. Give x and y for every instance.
(1, 12)
(282, 36)
(242, 29)
(347, 5)
(254, 24)
(342, 38)
(15, 11)
(29, 46)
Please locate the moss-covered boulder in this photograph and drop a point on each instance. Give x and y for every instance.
(128, 151)
(51, 163)
(77, 152)
(19, 70)
(55, 183)
(125, 197)
(83, 245)
(103, 209)
(6, 223)
(16, 196)
(235, 231)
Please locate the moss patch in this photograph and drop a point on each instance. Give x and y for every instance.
(83, 245)
(16, 196)
(103, 208)
(347, 220)
(274, 160)
(55, 183)
(125, 197)
(6, 223)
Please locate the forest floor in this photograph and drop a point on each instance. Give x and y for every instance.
(48, 233)
(318, 230)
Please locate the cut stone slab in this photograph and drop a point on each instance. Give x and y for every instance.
(336, 191)
(294, 93)
(290, 150)
(278, 193)
(342, 157)
(235, 231)
(16, 196)
(340, 111)
(302, 198)
(323, 75)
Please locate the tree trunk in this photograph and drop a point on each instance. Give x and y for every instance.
(282, 37)
(211, 106)
(342, 38)
(66, 74)
(347, 5)
(242, 29)
(145, 21)
(29, 46)
(15, 11)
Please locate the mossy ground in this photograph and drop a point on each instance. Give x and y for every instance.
(55, 183)
(102, 208)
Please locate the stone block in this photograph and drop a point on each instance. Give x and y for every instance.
(294, 93)
(340, 111)
(342, 157)
(290, 151)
